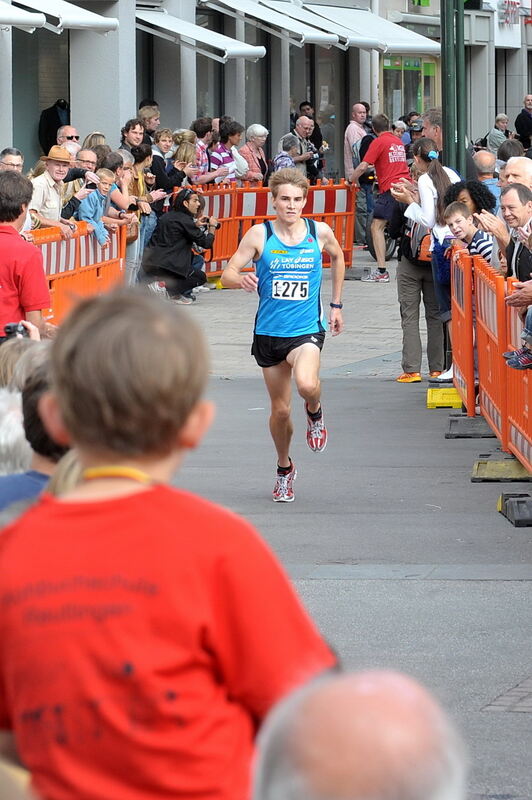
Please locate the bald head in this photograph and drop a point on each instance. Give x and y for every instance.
(485, 164)
(304, 126)
(519, 170)
(368, 735)
(359, 113)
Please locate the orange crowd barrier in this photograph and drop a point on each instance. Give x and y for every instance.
(78, 267)
(491, 344)
(238, 208)
(519, 392)
(481, 319)
(463, 328)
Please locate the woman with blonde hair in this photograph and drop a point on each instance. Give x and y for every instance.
(185, 146)
(253, 152)
(93, 139)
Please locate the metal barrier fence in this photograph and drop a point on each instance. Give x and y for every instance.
(482, 319)
(239, 208)
(78, 267)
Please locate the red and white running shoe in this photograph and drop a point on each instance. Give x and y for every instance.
(316, 433)
(283, 491)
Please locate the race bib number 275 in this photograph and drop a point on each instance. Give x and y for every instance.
(289, 290)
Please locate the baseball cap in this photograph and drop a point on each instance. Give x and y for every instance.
(417, 125)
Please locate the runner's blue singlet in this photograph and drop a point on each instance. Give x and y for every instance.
(289, 285)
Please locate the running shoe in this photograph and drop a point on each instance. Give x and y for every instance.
(283, 491)
(522, 361)
(514, 353)
(316, 433)
(158, 288)
(376, 277)
(409, 377)
(181, 300)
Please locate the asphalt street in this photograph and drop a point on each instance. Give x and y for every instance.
(401, 559)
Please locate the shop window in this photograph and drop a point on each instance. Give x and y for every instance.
(328, 81)
(256, 80)
(409, 84)
(209, 83)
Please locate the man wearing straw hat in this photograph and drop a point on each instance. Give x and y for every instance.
(47, 200)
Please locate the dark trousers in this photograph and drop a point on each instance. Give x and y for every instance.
(175, 284)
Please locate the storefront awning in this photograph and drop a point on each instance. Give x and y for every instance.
(61, 15)
(11, 16)
(395, 38)
(346, 38)
(160, 23)
(273, 22)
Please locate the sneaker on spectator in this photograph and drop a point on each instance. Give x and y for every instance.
(283, 491)
(435, 373)
(514, 353)
(409, 377)
(521, 361)
(159, 288)
(181, 300)
(376, 277)
(205, 288)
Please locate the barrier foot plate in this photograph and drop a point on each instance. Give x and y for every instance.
(517, 508)
(463, 427)
(499, 467)
(445, 397)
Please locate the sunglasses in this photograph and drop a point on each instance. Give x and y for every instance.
(72, 137)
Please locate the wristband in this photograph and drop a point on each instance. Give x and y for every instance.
(336, 305)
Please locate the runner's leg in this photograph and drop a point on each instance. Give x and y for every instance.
(278, 384)
(305, 363)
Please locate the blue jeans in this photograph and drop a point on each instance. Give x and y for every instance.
(526, 335)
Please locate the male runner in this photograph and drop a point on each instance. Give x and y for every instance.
(290, 325)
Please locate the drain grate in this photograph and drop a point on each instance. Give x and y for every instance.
(517, 699)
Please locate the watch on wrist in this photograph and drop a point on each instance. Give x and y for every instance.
(336, 305)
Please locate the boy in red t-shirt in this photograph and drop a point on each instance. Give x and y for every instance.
(144, 632)
(387, 154)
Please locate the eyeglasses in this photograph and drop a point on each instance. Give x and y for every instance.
(11, 166)
(73, 137)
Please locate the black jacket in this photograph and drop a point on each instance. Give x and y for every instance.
(170, 247)
(523, 127)
(522, 267)
(49, 124)
(164, 180)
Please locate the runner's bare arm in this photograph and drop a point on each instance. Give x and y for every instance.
(249, 249)
(331, 246)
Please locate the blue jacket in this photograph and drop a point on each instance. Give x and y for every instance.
(91, 210)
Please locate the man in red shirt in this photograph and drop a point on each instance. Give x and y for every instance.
(23, 286)
(144, 631)
(387, 154)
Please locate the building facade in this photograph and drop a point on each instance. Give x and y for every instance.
(253, 60)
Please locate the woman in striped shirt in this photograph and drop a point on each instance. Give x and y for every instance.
(230, 136)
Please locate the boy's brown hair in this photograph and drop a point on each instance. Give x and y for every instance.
(106, 173)
(128, 368)
(456, 208)
(289, 175)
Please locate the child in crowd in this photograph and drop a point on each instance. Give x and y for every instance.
(461, 223)
(145, 632)
(96, 205)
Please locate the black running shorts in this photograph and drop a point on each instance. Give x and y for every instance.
(271, 350)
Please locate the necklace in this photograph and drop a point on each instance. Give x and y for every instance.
(116, 471)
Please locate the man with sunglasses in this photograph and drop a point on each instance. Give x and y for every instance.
(67, 133)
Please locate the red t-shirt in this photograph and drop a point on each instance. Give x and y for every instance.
(142, 641)
(387, 154)
(23, 284)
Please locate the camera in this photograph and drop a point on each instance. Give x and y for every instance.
(91, 186)
(12, 329)
(205, 221)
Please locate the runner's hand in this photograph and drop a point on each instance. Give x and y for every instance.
(336, 321)
(249, 282)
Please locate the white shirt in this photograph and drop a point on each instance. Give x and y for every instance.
(424, 212)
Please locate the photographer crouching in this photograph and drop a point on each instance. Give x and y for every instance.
(168, 257)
